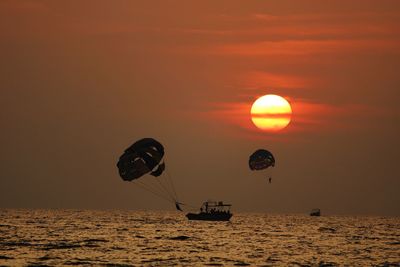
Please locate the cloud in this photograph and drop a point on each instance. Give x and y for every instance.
(306, 47)
(263, 79)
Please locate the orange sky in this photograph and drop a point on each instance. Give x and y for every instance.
(81, 81)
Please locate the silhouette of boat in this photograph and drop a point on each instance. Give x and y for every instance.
(315, 212)
(212, 211)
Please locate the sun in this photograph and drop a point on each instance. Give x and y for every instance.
(271, 113)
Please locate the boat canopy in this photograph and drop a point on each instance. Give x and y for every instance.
(215, 206)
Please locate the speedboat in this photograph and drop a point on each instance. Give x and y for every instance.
(212, 211)
(315, 212)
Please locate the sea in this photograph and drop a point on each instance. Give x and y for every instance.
(159, 238)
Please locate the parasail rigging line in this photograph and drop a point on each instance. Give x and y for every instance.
(165, 189)
(154, 183)
(171, 181)
(151, 185)
(154, 192)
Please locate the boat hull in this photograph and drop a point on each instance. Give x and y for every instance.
(315, 212)
(209, 216)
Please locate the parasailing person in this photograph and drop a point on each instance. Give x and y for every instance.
(261, 159)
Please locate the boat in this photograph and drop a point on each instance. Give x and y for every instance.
(212, 211)
(315, 212)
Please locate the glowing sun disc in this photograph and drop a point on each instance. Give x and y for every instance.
(271, 113)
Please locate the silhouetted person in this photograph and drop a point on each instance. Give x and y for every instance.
(177, 206)
(270, 179)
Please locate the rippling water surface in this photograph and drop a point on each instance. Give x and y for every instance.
(73, 237)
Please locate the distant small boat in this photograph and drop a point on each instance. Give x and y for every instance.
(212, 211)
(315, 212)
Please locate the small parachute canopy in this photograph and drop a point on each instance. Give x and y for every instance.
(261, 159)
(144, 156)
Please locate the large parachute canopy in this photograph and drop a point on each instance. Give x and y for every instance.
(261, 159)
(144, 156)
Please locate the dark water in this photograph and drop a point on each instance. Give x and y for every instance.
(72, 237)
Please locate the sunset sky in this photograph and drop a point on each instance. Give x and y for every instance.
(82, 80)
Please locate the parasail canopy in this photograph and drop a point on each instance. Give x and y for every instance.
(261, 159)
(144, 156)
